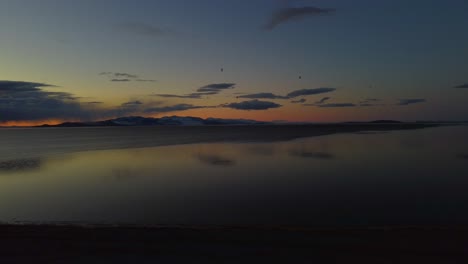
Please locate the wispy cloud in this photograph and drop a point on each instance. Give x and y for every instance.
(173, 108)
(188, 96)
(300, 101)
(263, 96)
(132, 104)
(463, 86)
(337, 105)
(124, 77)
(143, 80)
(315, 91)
(252, 105)
(216, 87)
(323, 100)
(287, 14)
(369, 102)
(411, 101)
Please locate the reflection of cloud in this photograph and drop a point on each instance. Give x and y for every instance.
(313, 155)
(261, 150)
(20, 165)
(293, 13)
(370, 132)
(215, 160)
(411, 101)
(252, 105)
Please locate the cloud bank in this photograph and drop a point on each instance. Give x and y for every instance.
(305, 92)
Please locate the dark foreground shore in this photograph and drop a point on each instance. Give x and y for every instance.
(72, 244)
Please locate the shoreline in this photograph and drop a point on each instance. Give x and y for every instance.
(59, 141)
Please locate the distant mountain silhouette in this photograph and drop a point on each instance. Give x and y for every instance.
(163, 121)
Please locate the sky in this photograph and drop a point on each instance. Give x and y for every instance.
(310, 60)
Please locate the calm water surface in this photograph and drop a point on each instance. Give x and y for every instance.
(417, 177)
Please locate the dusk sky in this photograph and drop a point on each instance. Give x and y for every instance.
(315, 60)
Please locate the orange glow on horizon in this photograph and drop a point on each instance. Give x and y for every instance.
(30, 123)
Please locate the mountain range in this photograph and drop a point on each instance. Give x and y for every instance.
(163, 121)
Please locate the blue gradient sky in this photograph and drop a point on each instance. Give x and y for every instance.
(389, 50)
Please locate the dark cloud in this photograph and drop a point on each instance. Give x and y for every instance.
(300, 101)
(143, 29)
(411, 101)
(323, 100)
(337, 105)
(215, 160)
(263, 96)
(293, 13)
(252, 105)
(173, 108)
(29, 101)
(120, 80)
(305, 92)
(216, 87)
(463, 86)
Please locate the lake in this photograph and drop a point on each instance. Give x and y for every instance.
(359, 178)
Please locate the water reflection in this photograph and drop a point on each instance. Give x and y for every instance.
(20, 165)
(345, 179)
(313, 155)
(215, 160)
